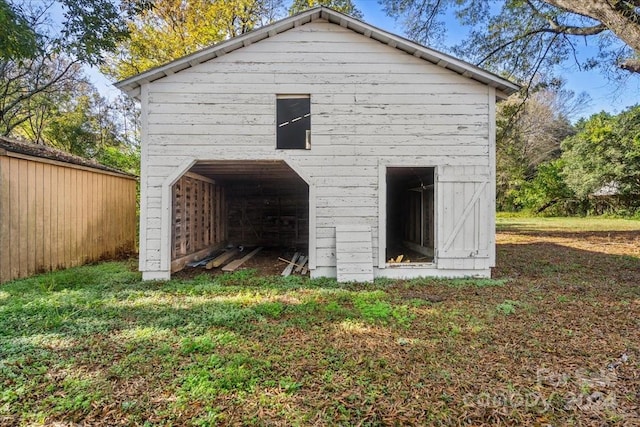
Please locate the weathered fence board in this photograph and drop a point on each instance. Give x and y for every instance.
(55, 214)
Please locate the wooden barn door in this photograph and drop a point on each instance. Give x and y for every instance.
(465, 230)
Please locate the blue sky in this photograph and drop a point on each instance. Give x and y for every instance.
(605, 95)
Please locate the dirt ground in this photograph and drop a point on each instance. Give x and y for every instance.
(265, 262)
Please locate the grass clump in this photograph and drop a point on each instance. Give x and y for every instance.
(507, 307)
(373, 310)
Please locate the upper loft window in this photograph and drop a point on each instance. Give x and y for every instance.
(294, 122)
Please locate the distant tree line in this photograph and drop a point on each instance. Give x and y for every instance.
(45, 95)
(547, 166)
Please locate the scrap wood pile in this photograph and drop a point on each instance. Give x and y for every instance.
(298, 264)
(229, 259)
(398, 259)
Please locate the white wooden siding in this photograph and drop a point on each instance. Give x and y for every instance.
(370, 103)
(353, 253)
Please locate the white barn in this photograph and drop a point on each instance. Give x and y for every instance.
(325, 133)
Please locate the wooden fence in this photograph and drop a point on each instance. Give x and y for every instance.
(55, 214)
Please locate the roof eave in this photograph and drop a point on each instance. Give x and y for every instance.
(503, 86)
(132, 84)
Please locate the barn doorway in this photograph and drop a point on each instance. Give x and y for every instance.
(219, 205)
(410, 215)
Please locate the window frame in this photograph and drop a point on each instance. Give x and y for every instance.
(281, 137)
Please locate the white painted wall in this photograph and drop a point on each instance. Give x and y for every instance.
(371, 105)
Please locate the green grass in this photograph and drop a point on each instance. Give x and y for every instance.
(507, 307)
(67, 338)
(96, 344)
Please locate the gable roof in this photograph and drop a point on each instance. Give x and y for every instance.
(503, 86)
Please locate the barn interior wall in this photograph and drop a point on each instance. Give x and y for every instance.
(199, 216)
(273, 215)
(216, 204)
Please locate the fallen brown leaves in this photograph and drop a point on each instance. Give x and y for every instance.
(555, 340)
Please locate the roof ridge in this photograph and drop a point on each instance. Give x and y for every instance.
(132, 84)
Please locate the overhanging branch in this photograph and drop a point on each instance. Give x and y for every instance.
(578, 31)
(632, 65)
(556, 27)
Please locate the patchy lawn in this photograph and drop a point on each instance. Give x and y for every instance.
(553, 339)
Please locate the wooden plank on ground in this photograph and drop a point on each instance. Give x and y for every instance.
(301, 263)
(289, 268)
(201, 263)
(221, 259)
(233, 265)
(180, 263)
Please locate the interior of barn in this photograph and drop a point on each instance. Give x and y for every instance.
(410, 215)
(237, 214)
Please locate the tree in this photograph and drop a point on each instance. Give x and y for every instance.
(89, 28)
(605, 153)
(17, 39)
(26, 86)
(548, 192)
(345, 6)
(35, 61)
(538, 126)
(73, 117)
(621, 17)
(76, 119)
(171, 29)
(521, 37)
(44, 95)
(529, 133)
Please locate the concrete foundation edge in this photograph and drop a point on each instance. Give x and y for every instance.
(410, 273)
(156, 275)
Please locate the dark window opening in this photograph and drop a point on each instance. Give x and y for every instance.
(294, 122)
